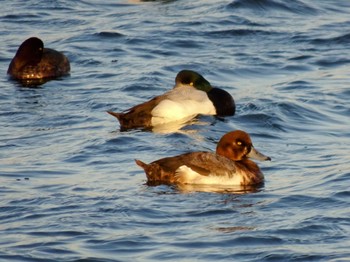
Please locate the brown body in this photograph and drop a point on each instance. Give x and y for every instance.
(166, 170)
(139, 116)
(33, 61)
(228, 166)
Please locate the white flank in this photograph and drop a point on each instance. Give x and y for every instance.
(186, 175)
(182, 103)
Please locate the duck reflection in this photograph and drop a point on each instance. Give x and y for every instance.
(190, 188)
(190, 126)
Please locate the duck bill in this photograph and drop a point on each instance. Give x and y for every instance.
(255, 154)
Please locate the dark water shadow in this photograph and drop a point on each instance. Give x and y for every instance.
(34, 83)
(188, 188)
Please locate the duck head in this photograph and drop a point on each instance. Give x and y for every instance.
(192, 78)
(29, 53)
(237, 146)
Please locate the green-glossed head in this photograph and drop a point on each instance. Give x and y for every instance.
(192, 78)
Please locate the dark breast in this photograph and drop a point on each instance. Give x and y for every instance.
(223, 102)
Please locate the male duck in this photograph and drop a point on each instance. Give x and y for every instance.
(34, 62)
(191, 95)
(229, 166)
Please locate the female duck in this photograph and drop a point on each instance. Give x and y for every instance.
(191, 95)
(33, 62)
(229, 166)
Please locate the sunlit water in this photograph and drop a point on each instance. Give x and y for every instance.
(69, 187)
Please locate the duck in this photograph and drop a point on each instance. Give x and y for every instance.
(34, 62)
(191, 95)
(230, 165)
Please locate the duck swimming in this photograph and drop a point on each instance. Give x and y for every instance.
(229, 166)
(34, 62)
(192, 95)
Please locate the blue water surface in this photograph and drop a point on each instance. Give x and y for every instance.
(69, 187)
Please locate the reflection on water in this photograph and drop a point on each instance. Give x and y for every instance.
(178, 126)
(234, 229)
(34, 83)
(186, 188)
(145, 1)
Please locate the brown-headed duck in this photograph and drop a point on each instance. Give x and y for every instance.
(229, 166)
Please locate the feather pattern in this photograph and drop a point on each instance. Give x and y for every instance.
(33, 61)
(192, 95)
(230, 165)
(181, 103)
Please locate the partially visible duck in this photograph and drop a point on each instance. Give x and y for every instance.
(229, 166)
(191, 95)
(34, 62)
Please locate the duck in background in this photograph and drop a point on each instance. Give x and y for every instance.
(35, 64)
(192, 95)
(229, 166)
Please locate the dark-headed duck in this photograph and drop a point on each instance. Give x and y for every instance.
(192, 95)
(229, 166)
(34, 62)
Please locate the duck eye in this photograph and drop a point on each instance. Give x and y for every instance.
(239, 143)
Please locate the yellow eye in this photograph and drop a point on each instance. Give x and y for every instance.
(239, 143)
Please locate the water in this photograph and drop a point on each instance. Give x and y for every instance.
(70, 190)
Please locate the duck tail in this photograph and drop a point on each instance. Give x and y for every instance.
(153, 173)
(146, 168)
(117, 115)
(141, 164)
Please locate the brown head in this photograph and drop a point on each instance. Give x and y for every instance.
(237, 145)
(29, 53)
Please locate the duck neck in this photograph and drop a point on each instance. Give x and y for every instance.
(252, 170)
